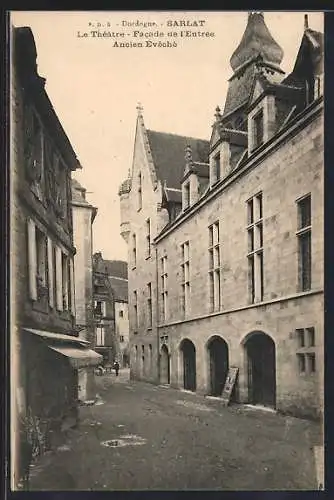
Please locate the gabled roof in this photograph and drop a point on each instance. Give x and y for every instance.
(168, 153)
(311, 50)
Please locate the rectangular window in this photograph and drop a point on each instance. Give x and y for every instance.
(139, 192)
(121, 314)
(310, 362)
(310, 337)
(64, 267)
(217, 167)
(121, 338)
(134, 250)
(306, 352)
(54, 267)
(150, 356)
(41, 259)
(164, 292)
(186, 195)
(148, 237)
(149, 306)
(69, 284)
(100, 308)
(214, 267)
(301, 337)
(255, 249)
(100, 335)
(185, 279)
(32, 264)
(258, 129)
(304, 233)
(135, 311)
(301, 363)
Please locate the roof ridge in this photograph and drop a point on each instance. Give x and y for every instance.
(177, 135)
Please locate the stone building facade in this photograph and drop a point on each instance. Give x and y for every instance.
(45, 350)
(83, 214)
(225, 237)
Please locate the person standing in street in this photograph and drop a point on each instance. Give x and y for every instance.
(116, 367)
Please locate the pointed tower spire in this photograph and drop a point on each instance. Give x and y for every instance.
(139, 109)
(256, 40)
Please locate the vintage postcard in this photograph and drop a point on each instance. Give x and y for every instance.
(167, 250)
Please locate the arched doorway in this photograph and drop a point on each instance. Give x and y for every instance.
(164, 366)
(261, 364)
(189, 365)
(218, 364)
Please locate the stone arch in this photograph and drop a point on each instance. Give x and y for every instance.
(260, 367)
(188, 352)
(218, 364)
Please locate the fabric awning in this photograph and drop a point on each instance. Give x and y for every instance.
(79, 358)
(74, 348)
(57, 336)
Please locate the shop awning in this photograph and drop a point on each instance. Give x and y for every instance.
(79, 358)
(74, 348)
(57, 336)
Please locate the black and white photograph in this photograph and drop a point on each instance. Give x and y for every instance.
(166, 250)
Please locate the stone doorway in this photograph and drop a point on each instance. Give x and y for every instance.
(261, 364)
(164, 365)
(189, 365)
(218, 364)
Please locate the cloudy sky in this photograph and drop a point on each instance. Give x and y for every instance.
(95, 87)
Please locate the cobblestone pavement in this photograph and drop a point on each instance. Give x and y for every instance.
(140, 436)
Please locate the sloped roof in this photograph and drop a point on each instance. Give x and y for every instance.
(168, 153)
(26, 62)
(120, 288)
(115, 268)
(78, 193)
(239, 89)
(201, 169)
(173, 195)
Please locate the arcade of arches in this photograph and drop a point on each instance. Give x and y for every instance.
(259, 369)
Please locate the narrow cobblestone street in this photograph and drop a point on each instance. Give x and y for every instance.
(140, 436)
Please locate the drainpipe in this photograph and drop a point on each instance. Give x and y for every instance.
(157, 312)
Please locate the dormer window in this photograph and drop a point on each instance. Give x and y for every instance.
(215, 170)
(186, 195)
(258, 129)
(217, 166)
